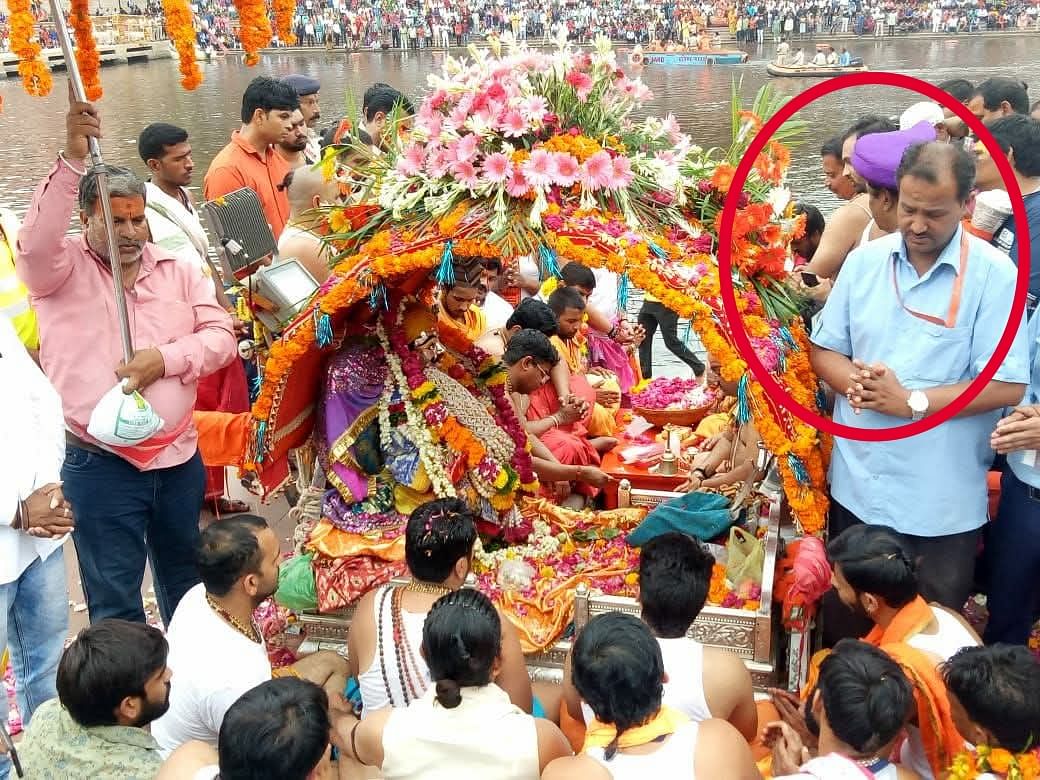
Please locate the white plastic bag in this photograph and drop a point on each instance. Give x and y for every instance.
(122, 420)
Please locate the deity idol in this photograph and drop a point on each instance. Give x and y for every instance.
(398, 431)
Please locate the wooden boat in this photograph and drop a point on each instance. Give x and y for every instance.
(812, 71)
(708, 57)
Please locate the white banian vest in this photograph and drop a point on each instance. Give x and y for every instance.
(950, 637)
(371, 682)
(485, 737)
(673, 759)
(865, 236)
(684, 691)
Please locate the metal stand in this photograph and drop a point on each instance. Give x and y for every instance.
(97, 164)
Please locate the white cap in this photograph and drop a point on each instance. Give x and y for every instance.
(925, 111)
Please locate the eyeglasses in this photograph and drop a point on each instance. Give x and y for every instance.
(543, 372)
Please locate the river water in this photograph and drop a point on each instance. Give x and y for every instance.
(136, 95)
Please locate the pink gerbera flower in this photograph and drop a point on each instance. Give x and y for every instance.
(597, 172)
(466, 173)
(621, 173)
(517, 186)
(430, 126)
(582, 83)
(410, 163)
(567, 169)
(465, 149)
(460, 114)
(496, 92)
(497, 168)
(534, 109)
(538, 169)
(671, 127)
(513, 124)
(437, 163)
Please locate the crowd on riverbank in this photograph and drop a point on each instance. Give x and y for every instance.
(365, 24)
(439, 24)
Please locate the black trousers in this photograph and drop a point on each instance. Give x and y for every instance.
(652, 315)
(945, 574)
(1012, 560)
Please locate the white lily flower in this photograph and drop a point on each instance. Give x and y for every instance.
(499, 219)
(779, 198)
(538, 208)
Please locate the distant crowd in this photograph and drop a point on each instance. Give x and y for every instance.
(369, 24)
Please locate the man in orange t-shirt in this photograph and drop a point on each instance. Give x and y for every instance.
(250, 159)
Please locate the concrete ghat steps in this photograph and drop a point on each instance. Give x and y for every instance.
(112, 54)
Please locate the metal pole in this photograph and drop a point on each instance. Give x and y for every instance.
(98, 166)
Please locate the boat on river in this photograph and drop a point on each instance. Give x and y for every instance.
(705, 57)
(812, 71)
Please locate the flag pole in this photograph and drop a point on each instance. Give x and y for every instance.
(97, 164)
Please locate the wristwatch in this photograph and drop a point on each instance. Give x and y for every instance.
(918, 403)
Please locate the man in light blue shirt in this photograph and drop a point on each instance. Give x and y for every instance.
(913, 318)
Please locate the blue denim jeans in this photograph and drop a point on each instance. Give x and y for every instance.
(34, 619)
(1012, 558)
(125, 517)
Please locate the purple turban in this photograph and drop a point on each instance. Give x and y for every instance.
(876, 157)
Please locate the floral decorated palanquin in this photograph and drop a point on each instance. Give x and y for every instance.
(539, 154)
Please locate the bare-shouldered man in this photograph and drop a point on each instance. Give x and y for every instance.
(619, 671)
(851, 224)
(702, 682)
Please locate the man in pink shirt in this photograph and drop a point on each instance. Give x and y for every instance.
(130, 502)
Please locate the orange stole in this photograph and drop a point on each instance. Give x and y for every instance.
(941, 739)
(222, 437)
(471, 329)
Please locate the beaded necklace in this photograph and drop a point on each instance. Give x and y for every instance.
(379, 644)
(407, 667)
(252, 633)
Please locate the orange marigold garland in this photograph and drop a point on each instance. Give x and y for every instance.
(283, 19)
(87, 56)
(36, 76)
(254, 28)
(181, 29)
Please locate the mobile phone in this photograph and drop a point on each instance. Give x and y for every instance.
(810, 279)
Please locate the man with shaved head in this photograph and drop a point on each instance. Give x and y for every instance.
(913, 318)
(308, 191)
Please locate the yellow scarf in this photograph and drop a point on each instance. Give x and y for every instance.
(665, 722)
(570, 350)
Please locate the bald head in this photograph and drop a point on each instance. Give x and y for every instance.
(308, 189)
